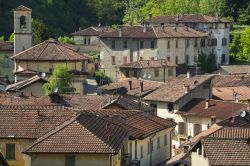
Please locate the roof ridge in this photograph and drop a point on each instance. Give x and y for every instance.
(62, 51)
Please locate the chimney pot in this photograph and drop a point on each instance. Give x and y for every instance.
(187, 88)
(188, 74)
(130, 84)
(207, 104)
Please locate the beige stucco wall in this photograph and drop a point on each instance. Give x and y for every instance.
(158, 155)
(20, 145)
(36, 89)
(81, 159)
(7, 65)
(198, 160)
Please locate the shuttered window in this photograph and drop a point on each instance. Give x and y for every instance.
(69, 160)
(10, 151)
(197, 129)
(182, 128)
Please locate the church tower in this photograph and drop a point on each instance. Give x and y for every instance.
(22, 29)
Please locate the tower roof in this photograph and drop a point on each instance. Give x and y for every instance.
(22, 8)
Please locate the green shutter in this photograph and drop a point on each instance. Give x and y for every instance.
(69, 160)
(10, 151)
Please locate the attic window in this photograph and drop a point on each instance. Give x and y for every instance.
(23, 22)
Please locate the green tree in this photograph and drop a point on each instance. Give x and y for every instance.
(1, 38)
(11, 37)
(39, 32)
(245, 45)
(235, 48)
(132, 14)
(207, 62)
(61, 80)
(101, 78)
(67, 40)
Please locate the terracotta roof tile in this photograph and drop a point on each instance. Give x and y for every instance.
(224, 151)
(230, 81)
(226, 93)
(148, 64)
(173, 90)
(236, 69)
(86, 133)
(92, 31)
(50, 50)
(219, 109)
(187, 18)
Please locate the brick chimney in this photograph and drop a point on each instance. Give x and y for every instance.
(187, 88)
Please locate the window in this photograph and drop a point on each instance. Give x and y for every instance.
(224, 41)
(168, 58)
(135, 150)
(124, 60)
(176, 60)
(208, 42)
(22, 22)
(125, 44)
(168, 44)
(113, 60)
(127, 73)
(156, 71)
(155, 108)
(141, 44)
(170, 72)
(195, 42)
(152, 44)
(165, 139)
(88, 41)
(113, 44)
(141, 151)
(182, 128)
(152, 146)
(226, 25)
(85, 41)
(135, 74)
(187, 59)
(130, 150)
(10, 152)
(213, 42)
(187, 43)
(197, 129)
(69, 160)
(158, 143)
(223, 58)
(176, 44)
(170, 107)
(203, 42)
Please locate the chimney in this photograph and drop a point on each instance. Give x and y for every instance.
(130, 84)
(188, 74)
(141, 85)
(144, 27)
(187, 88)
(206, 104)
(120, 32)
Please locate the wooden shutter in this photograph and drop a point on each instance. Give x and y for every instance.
(10, 151)
(69, 160)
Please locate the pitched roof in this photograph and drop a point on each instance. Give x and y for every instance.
(236, 69)
(227, 151)
(123, 87)
(85, 133)
(173, 90)
(187, 18)
(219, 109)
(30, 123)
(22, 8)
(226, 93)
(137, 125)
(6, 46)
(230, 81)
(22, 84)
(154, 32)
(50, 50)
(148, 64)
(92, 31)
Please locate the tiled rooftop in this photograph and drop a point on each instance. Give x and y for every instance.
(148, 64)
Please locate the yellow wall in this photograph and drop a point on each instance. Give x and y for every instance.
(20, 145)
(81, 159)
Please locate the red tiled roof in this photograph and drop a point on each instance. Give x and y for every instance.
(225, 151)
(187, 18)
(173, 90)
(30, 123)
(230, 81)
(86, 133)
(148, 64)
(226, 93)
(50, 50)
(92, 31)
(219, 109)
(6, 46)
(236, 69)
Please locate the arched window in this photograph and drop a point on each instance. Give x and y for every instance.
(22, 22)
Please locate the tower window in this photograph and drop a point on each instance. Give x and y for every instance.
(22, 22)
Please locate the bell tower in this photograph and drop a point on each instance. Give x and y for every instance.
(22, 29)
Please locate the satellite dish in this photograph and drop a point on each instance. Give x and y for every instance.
(144, 75)
(243, 113)
(43, 74)
(149, 76)
(189, 138)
